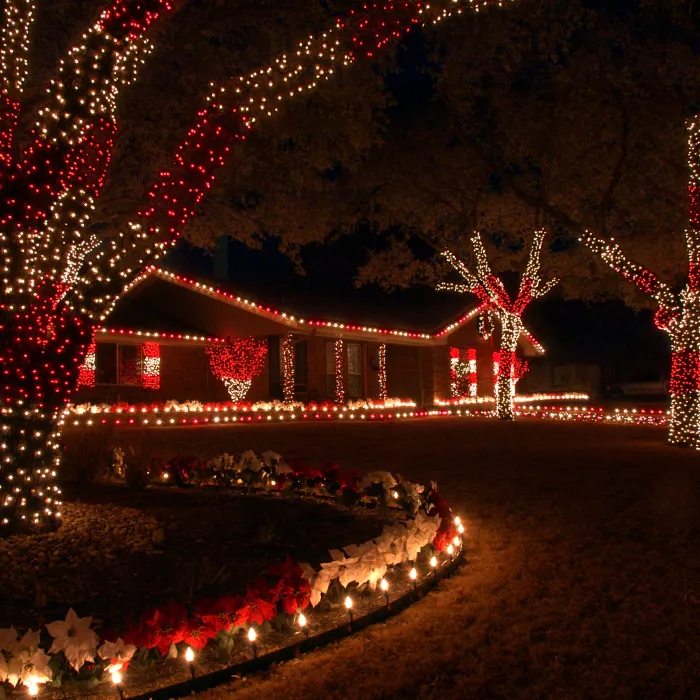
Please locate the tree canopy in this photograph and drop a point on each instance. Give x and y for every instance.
(562, 114)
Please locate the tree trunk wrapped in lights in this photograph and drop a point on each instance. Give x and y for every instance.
(679, 312)
(236, 363)
(493, 295)
(60, 281)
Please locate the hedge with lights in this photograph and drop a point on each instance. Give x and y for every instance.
(60, 281)
(424, 531)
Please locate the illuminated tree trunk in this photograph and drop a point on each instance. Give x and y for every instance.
(511, 327)
(41, 354)
(684, 385)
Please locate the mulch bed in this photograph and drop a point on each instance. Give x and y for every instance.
(120, 551)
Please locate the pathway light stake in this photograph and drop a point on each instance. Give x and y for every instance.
(117, 680)
(384, 585)
(33, 686)
(303, 625)
(433, 564)
(413, 575)
(348, 606)
(252, 636)
(189, 657)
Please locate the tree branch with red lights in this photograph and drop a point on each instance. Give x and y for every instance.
(236, 363)
(60, 278)
(494, 298)
(678, 312)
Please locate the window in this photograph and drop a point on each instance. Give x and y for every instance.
(355, 386)
(300, 367)
(118, 364)
(330, 368)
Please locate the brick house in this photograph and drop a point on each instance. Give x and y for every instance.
(174, 319)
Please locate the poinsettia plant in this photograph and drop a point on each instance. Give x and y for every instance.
(72, 650)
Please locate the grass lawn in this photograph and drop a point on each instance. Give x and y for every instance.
(584, 572)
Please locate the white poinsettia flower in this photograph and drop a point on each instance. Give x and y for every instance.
(271, 458)
(8, 636)
(3, 669)
(249, 460)
(116, 653)
(28, 666)
(74, 638)
(28, 643)
(359, 550)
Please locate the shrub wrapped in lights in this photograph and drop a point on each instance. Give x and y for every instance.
(236, 363)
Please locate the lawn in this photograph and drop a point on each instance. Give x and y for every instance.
(583, 579)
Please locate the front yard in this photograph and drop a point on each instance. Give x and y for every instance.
(584, 575)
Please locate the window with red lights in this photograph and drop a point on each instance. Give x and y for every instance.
(119, 365)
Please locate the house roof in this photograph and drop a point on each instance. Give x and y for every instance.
(152, 311)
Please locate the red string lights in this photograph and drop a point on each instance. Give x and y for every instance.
(150, 365)
(678, 313)
(494, 297)
(59, 281)
(86, 377)
(236, 363)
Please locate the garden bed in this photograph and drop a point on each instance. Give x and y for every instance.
(120, 551)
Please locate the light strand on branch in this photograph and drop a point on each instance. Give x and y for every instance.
(231, 112)
(495, 299)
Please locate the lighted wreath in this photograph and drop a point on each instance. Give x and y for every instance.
(424, 535)
(236, 363)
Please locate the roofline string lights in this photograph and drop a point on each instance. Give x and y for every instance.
(493, 296)
(678, 313)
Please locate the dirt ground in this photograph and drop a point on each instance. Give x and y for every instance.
(583, 579)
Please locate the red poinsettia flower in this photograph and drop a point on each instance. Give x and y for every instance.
(294, 593)
(441, 507)
(219, 614)
(196, 634)
(141, 636)
(256, 609)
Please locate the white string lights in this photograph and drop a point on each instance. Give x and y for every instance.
(58, 282)
(678, 313)
(494, 297)
(381, 361)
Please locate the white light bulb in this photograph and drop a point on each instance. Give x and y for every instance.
(252, 635)
(348, 602)
(189, 655)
